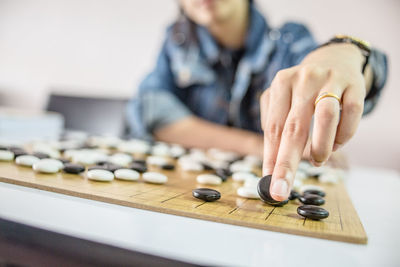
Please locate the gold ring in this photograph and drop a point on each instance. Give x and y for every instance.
(323, 95)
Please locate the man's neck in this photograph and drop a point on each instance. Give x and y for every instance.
(232, 32)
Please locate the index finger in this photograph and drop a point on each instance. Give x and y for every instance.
(293, 142)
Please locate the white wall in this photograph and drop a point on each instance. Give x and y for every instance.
(106, 46)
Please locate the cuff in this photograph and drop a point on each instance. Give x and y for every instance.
(378, 63)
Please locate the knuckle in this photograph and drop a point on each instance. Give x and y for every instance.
(295, 129)
(326, 113)
(281, 78)
(308, 72)
(353, 107)
(274, 131)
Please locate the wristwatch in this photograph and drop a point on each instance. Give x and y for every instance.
(364, 46)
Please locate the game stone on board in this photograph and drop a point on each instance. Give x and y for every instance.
(168, 166)
(157, 160)
(248, 192)
(73, 168)
(312, 212)
(41, 155)
(154, 177)
(210, 179)
(306, 187)
(294, 195)
(242, 176)
(206, 194)
(26, 160)
(100, 175)
(6, 155)
(315, 192)
(47, 166)
(127, 174)
(311, 199)
(138, 167)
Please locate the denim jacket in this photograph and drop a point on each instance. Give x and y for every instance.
(200, 78)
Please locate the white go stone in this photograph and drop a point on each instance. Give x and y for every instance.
(329, 177)
(242, 176)
(300, 175)
(47, 166)
(88, 156)
(100, 175)
(26, 160)
(251, 181)
(218, 154)
(310, 187)
(126, 174)
(155, 178)
(134, 146)
(304, 165)
(160, 149)
(177, 151)
(157, 160)
(218, 164)
(209, 179)
(198, 155)
(297, 183)
(191, 166)
(255, 160)
(47, 149)
(248, 192)
(241, 166)
(6, 155)
(315, 171)
(120, 159)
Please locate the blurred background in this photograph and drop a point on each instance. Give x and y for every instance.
(103, 48)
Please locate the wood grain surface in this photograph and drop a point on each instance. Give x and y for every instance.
(175, 197)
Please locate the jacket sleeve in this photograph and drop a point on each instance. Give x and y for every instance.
(155, 104)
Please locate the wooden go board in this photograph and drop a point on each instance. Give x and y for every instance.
(175, 197)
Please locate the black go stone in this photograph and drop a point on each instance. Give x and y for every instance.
(206, 194)
(112, 167)
(311, 199)
(138, 167)
(222, 173)
(139, 161)
(312, 212)
(207, 166)
(73, 168)
(65, 161)
(98, 167)
(19, 152)
(102, 162)
(168, 166)
(263, 190)
(294, 195)
(108, 167)
(315, 192)
(41, 155)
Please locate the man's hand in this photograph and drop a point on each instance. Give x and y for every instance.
(287, 108)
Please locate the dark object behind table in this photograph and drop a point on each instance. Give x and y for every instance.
(91, 115)
(23, 245)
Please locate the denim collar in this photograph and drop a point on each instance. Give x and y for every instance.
(258, 28)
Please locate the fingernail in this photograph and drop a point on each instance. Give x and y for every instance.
(317, 163)
(280, 188)
(336, 146)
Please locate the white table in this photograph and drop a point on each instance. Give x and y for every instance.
(374, 192)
